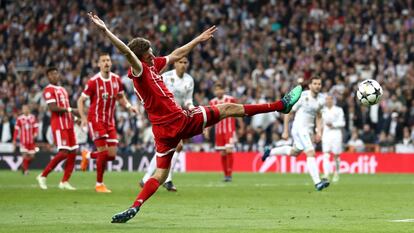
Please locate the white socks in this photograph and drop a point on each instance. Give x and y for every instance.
(337, 164)
(313, 169)
(326, 164)
(281, 150)
(151, 169)
(173, 161)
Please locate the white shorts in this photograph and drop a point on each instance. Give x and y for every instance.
(302, 140)
(332, 144)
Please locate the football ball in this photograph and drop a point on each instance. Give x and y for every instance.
(369, 92)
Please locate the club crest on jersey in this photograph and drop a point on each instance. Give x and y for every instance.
(172, 80)
(100, 88)
(48, 95)
(64, 142)
(105, 96)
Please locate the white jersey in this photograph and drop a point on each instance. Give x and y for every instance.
(334, 116)
(332, 136)
(182, 88)
(306, 110)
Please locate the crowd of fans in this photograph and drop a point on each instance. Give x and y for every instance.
(261, 49)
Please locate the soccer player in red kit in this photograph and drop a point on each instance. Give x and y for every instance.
(62, 124)
(225, 132)
(170, 123)
(103, 90)
(25, 131)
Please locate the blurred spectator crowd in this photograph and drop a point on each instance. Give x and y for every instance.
(261, 49)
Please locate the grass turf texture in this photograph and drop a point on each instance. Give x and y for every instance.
(203, 203)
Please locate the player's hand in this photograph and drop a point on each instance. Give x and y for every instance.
(207, 34)
(84, 123)
(97, 21)
(318, 137)
(134, 110)
(285, 135)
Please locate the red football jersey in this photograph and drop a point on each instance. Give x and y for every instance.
(58, 95)
(103, 94)
(158, 101)
(227, 125)
(25, 129)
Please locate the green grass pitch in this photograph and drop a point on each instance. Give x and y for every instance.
(203, 203)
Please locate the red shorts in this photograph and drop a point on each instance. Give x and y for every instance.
(190, 123)
(28, 148)
(225, 140)
(65, 139)
(100, 131)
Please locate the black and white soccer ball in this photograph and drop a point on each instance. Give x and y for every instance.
(369, 92)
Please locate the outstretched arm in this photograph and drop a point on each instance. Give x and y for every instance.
(185, 49)
(131, 57)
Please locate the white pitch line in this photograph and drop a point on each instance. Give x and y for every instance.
(402, 220)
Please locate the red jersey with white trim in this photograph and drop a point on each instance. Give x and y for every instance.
(58, 95)
(25, 129)
(103, 94)
(158, 101)
(227, 125)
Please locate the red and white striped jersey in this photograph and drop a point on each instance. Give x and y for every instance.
(227, 125)
(150, 88)
(58, 95)
(25, 129)
(103, 94)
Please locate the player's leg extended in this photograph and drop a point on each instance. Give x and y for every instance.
(284, 106)
(280, 150)
(150, 187)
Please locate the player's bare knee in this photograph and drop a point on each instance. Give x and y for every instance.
(161, 175)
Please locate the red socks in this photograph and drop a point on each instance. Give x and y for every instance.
(224, 164)
(26, 163)
(53, 163)
(100, 164)
(229, 164)
(149, 189)
(253, 109)
(70, 164)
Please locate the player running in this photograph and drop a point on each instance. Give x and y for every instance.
(61, 122)
(103, 90)
(333, 122)
(225, 132)
(26, 130)
(181, 84)
(308, 109)
(171, 123)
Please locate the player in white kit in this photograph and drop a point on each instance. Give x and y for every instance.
(181, 85)
(333, 122)
(308, 110)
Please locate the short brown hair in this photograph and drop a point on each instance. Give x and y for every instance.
(50, 69)
(315, 77)
(104, 54)
(218, 85)
(139, 46)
